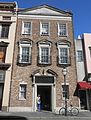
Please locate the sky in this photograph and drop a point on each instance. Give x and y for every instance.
(81, 10)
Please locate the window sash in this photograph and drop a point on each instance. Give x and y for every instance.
(63, 55)
(2, 75)
(45, 55)
(25, 54)
(62, 30)
(4, 31)
(80, 55)
(44, 28)
(26, 29)
(23, 91)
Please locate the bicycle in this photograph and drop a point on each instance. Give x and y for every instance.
(70, 110)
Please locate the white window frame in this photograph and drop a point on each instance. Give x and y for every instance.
(25, 45)
(20, 96)
(23, 33)
(41, 28)
(59, 29)
(63, 46)
(63, 98)
(45, 46)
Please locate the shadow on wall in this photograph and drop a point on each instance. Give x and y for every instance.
(76, 91)
(12, 118)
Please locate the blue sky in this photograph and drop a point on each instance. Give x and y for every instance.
(80, 8)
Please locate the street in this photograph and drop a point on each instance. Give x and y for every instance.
(83, 115)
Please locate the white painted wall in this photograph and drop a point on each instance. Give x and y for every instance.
(80, 65)
(8, 59)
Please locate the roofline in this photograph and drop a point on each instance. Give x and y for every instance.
(48, 6)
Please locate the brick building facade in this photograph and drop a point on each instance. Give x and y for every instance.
(44, 45)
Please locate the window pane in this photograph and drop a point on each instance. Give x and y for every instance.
(5, 31)
(45, 58)
(80, 56)
(62, 29)
(25, 54)
(23, 91)
(2, 75)
(45, 28)
(63, 55)
(27, 28)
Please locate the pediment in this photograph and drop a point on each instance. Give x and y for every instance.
(44, 10)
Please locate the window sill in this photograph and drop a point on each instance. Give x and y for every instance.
(44, 34)
(64, 65)
(44, 64)
(23, 64)
(80, 61)
(3, 37)
(62, 36)
(26, 34)
(63, 98)
(22, 99)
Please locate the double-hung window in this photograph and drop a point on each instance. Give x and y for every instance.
(44, 53)
(4, 30)
(44, 29)
(63, 53)
(25, 52)
(22, 92)
(79, 55)
(26, 28)
(62, 29)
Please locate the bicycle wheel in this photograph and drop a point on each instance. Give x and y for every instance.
(62, 111)
(74, 111)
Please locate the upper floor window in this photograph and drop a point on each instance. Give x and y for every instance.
(44, 29)
(63, 53)
(26, 28)
(2, 54)
(25, 52)
(44, 53)
(4, 30)
(79, 55)
(2, 75)
(62, 30)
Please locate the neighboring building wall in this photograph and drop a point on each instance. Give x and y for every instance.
(25, 73)
(84, 70)
(8, 17)
(87, 49)
(79, 61)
